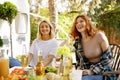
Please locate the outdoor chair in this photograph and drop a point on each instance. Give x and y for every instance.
(116, 65)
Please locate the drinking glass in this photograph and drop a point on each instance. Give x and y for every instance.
(24, 60)
(4, 64)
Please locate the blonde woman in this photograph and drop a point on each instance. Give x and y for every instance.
(46, 42)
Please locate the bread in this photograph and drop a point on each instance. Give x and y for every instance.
(52, 76)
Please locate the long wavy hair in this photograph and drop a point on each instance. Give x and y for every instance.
(90, 30)
(39, 35)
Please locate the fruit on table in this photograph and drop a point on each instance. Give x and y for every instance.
(24, 79)
(18, 71)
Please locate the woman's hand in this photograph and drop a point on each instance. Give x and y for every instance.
(87, 72)
(48, 60)
(30, 57)
(79, 68)
(118, 77)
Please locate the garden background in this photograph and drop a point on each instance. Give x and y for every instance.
(105, 14)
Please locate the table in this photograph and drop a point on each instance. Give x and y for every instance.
(30, 73)
(65, 76)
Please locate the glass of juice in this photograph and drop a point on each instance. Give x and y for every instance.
(24, 60)
(24, 57)
(4, 67)
(4, 64)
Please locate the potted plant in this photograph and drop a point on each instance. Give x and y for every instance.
(8, 12)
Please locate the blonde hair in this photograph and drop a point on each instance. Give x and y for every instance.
(51, 29)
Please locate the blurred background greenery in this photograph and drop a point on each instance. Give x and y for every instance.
(61, 13)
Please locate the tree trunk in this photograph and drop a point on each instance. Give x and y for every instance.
(53, 13)
(11, 40)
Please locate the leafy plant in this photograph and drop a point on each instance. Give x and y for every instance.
(50, 69)
(8, 11)
(1, 42)
(34, 27)
(2, 12)
(63, 50)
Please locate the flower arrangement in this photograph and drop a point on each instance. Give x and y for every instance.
(63, 50)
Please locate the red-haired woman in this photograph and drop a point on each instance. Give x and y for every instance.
(92, 49)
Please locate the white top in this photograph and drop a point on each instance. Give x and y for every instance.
(47, 47)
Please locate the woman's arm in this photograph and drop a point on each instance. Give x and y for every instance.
(105, 60)
(103, 64)
(52, 52)
(104, 44)
(48, 60)
(30, 56)
(106, 57)
(118, 77)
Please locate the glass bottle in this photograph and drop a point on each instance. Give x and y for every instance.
(65, 72)
(61, 66)
(65, 62)
(24, 57)
(39, 55)
(39, 66)
(70, 62)
(4, 63)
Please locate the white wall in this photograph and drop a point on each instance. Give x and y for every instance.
(23, 37)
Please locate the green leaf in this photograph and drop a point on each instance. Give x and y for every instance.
(1, 42)
(63, 50)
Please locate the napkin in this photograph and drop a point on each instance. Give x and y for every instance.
(76, 75)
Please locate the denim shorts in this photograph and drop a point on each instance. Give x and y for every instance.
(92, 77)
(14, 62)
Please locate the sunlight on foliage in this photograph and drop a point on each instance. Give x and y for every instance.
(63, 50)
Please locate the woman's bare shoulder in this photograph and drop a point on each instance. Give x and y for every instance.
(101, 37)
(100, 33)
